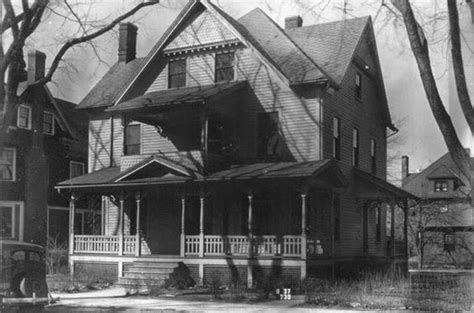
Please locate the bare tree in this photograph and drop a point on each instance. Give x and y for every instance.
(419, 46)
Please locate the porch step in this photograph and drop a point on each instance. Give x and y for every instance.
(146, 273)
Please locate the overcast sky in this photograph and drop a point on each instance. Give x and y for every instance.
(419, 136)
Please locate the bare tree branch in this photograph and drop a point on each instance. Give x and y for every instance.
(458, 66)
(419, 46)
(75, 41)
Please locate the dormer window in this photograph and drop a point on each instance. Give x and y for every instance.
(177, 73)
(441, 186)
(24, 117)
(224, 67)
(48, 123)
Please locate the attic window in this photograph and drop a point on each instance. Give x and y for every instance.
(441, 186)
(177, 73)
(358, 86)
(48, 123)
(224, 67)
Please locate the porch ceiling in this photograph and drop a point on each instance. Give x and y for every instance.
(368, 186)
(164, 99)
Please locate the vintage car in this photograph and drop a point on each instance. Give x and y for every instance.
(23, 274)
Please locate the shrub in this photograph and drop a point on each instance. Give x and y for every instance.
(180, 278)
(56, 256)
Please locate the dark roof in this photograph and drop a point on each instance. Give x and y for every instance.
(289, 58)
(104, 93)
(442, 172)
(77, 120)
(330, 45)
(270, 170)
(386, 190)
(178, 96)
(98, 177)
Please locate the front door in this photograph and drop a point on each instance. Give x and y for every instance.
(163, 226)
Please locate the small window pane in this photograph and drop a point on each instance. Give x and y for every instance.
(18, 255)
(441, 186)
(224, 67)
(76, 169)
(132, 140)
(6, 222)
(358, 85)
(7, 165)
(177, 73)
(48, 123)
(23, 117)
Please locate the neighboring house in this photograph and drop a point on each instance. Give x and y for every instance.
(46, 142)
(443, 219)
(241, 149)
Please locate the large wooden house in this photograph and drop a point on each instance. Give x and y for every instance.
(443, 219)
(45, 143)
(240, 149)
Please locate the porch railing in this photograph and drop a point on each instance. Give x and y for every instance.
(267, 245)
(104, 244)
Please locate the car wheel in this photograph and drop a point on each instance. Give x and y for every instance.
(33, 283)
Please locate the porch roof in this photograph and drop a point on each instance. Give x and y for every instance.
(112, 177)
(368, 186)
(168, 97)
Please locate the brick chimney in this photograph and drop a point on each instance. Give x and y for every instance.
(293, 22)
(36, 66)
(127, 42)
(405, 168)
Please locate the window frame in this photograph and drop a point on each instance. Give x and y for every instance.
(358, 85)
(262, 143)
(336, 138)
(13, 221)
(52, 123)
(232, 67)
(438, 186)
(378, 223)
(170, 75)
(373, 156)
(71, 163)
(28, 118)
(355, 147)
(13, 164)
(125, 145)
(449, 240)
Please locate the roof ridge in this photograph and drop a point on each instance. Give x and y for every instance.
(333, 22)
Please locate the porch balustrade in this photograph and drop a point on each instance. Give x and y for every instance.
(269, 245)
(104, 244)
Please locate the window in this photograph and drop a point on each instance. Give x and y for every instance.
(358, 85)
(177, 73)
(378, 223)
(48, 123)
(373, 158)
(441, 186)
(268, 136)
(336, 133)
(132, 140)
(6, 222)
(224, 67)
(337, 219)
(355, 147)
(449, 241)
(76, 169)
(24, 117)
(7, 164)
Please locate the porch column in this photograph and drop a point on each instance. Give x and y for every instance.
(303, 235)
(138, 239)
(392, 229)
(72, 211)
(183, 220)
(201, 227)
(249, 224)
(120, 252)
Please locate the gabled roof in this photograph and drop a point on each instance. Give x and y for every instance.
(76, 121)
(330, 45)
(442, 172)
(104, 93)
(368, 186)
